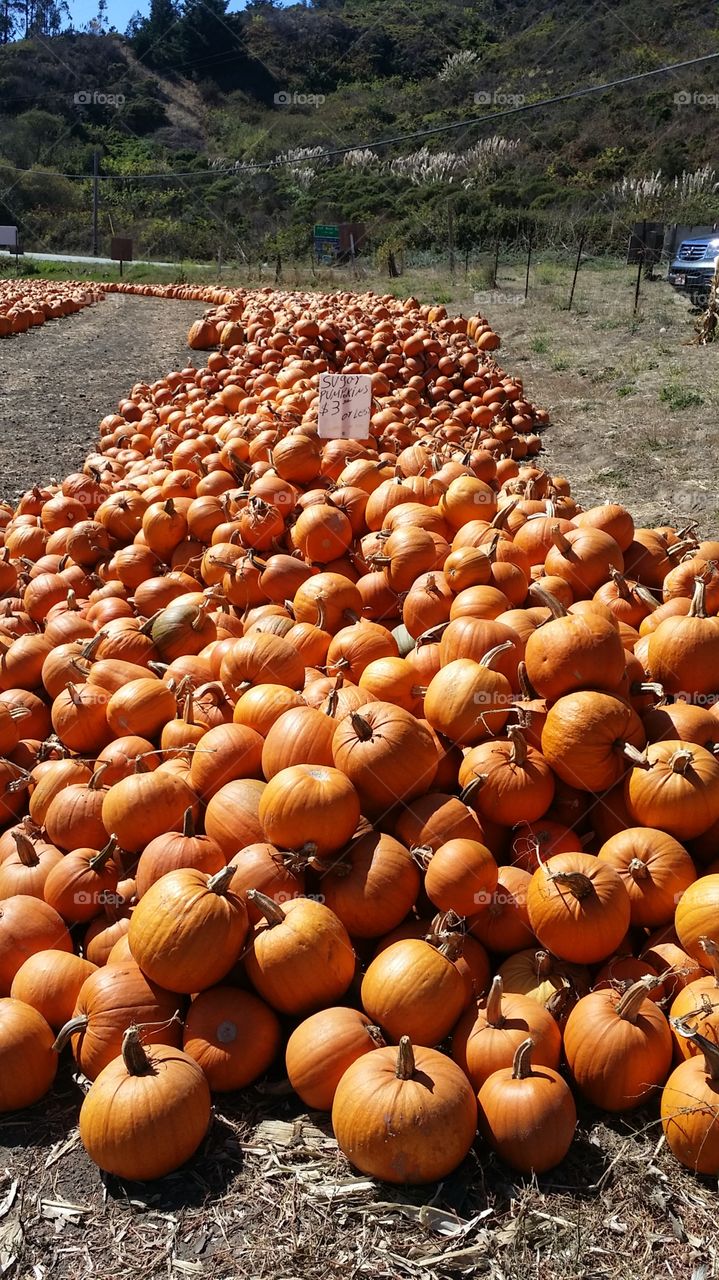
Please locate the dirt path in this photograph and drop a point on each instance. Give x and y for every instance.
(59, 380)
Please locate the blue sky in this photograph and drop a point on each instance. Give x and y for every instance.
(120, 11)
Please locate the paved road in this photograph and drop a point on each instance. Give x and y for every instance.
(73, 257)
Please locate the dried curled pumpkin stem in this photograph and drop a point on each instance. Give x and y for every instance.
(220, 882)
(133, 1054)
(711, 949)
(362, 727)
(404, 1069)
(638, 870)
(452, 947)
(26, 851)
(103, 855)
(522, 1064)
(681, 760)
(697, 608)
(518, 754)
(560, 541)
(75, 1024)
(266, 906)
(575, 881)
(707, 1047)
(634, 997)
(489, 657)
(620, 582)
(526, 688)
(543, 964)
(635, 757)
(493, 1011)
(540, 596)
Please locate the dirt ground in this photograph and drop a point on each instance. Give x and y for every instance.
(59, 380)
(635, 406)
(269, 1195)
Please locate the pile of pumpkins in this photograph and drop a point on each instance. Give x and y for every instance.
(212, 294)
(27, 303)
(376, 762)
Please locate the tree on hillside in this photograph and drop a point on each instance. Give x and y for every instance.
(208, 31)
(97, 26)
(157, 39)
(11, 12)
(45, 17)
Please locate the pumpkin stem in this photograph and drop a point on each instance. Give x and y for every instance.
(502, 516)
(522, 1065)
(634, 997)
(630, 753)
(219, 883)
(681, 760)
(133, 1054)
(188, 823)
(527, 690)
(103, 855)
(712, 950)
(473, 785)
(638, 870)
(708, 1048)
(493, 1011)
(640, 687)
(26, 851)
(543, 964)
(645, 595)
(96, 780)
(452, 947)
(575, 881)
(266, 906)
(518, 754)
(491, 552)
(432, 635)
(88, 649)
(488, 658)
(77, 1023)
(697, 608)
(559, 541)
(75, 698)
(405, 1059)
(375, 1035)
(555, 606)
(422, 854)
(620, 583)
(362, 727)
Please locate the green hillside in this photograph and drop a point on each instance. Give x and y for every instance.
(192, 90)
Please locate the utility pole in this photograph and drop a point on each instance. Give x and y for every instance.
(95, 199)
(529, 261)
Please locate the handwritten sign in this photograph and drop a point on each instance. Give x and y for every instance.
(345, 406)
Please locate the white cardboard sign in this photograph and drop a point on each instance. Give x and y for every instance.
(345, 406)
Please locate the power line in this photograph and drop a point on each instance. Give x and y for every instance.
(284, 162)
